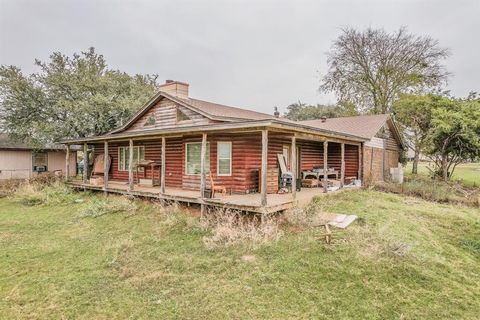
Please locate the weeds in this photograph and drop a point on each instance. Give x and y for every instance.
(434, 190)
(101, 206)
(46, 191)
(232, 228)
(8, 187)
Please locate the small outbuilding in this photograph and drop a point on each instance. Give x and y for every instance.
(19, 160)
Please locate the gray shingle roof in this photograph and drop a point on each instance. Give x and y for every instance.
(7, 143)
(365, 126)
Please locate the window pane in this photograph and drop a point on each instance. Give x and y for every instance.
(207, 159)
(142, 153)
(193, 158)
(224, 166)
(120, 158)
(224, 150)
(127, 157)
(135, 155)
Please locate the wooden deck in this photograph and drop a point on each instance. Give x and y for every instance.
(244, 202)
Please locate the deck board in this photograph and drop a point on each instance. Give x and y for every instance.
(247, 202)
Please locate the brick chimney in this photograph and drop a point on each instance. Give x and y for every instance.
(175, 88)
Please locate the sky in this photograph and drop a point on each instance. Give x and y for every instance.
(253, 54)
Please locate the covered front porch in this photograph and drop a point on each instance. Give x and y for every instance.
(247, 164)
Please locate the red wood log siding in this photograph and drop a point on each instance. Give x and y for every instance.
(152, 152)
(351, 160)
(246, 160)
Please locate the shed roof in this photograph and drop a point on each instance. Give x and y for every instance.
(7, 143)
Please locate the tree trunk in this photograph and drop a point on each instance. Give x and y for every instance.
(444, 168)
(416, 158)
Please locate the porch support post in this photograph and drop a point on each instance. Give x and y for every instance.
(325, 166)
(203, 152)
(264, 167)
(85, 163)
(162, 178)
(360, 162)
(130, 165)
(67, 162)
(106, 166)
(293, 158)
(342, 170)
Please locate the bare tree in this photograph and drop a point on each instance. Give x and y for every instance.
(372, 67)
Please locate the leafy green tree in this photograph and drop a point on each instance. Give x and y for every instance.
(69, 97)
(414, 114)
(454, 134)
(300, 111)
(371, 68)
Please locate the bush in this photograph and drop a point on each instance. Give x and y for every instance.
(97, 207)
(231, 228)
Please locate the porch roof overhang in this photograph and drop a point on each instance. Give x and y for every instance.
(252, 125)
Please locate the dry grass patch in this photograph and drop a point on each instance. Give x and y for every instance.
(97, 207)
(40, 191)
(232, 228)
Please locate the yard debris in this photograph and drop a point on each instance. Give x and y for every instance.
(328, 234)
(336, 220)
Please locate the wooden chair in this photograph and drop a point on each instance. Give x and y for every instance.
(97, 174)
(215, 188)
(98, 165)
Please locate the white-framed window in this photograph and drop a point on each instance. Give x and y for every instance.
(224, 158)
(192, 158)
(123, 156)
(39, 161)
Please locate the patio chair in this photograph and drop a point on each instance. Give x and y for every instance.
(215, 188)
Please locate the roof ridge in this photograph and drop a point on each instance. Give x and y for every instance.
(357, 116)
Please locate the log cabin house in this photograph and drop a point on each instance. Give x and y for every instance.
(193, 144)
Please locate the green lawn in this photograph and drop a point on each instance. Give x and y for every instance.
(468, 173)
(403, 259)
